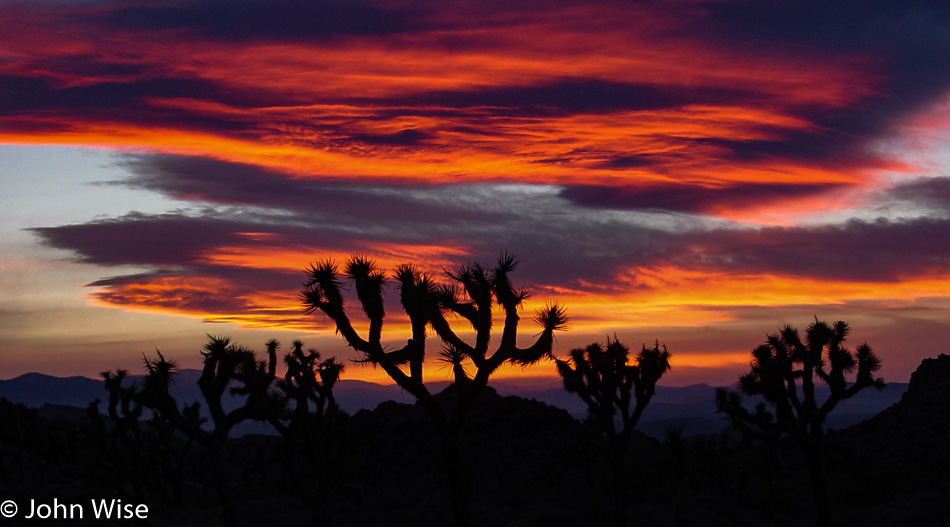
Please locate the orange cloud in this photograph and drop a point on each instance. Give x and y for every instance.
(430, 259)
(304, 126)
(644, 297)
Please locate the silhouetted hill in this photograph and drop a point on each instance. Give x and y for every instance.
(58, 412)
(902, 455)
(530, 464)
(918, 426)
(693, 407)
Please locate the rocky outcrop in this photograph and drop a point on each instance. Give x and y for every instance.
(914, 431)
(931, 381)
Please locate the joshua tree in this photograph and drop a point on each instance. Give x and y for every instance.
(125, 414)
(226, 367)
(784, 371)
(471, 294)
(141, 457)
(233, 369)
(308, 382)
(602, 378)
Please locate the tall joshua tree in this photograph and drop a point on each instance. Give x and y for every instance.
(784, 371)
(602, 377)
(470, 294)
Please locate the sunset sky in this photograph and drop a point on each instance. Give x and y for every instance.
(698, 172)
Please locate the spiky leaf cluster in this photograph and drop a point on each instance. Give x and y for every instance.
(471, 292)
(784, 371)
(230, 369)
(603, 378)
(308, 380)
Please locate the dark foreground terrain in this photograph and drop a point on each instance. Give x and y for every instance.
(529, 463)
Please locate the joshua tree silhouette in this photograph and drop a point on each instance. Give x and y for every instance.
(309, 381)
(226, 366)
(471, 294)
(783, 373)
(602, 378)
(140, 457)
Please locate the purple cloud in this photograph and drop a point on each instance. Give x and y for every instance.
(690, 198)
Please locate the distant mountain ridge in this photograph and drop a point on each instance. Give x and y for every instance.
(37, 389)
(690, 407)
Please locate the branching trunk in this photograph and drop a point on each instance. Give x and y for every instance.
(470, 296)
(604, 380)
(785, 364)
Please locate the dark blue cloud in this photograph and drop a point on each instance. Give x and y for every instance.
(583, 255)
(121, 102)
(906, 42)
(310, 200)
(183, 240)
(247, 278)
(881, 250)
(407, 137)
(337, 216)
(559, 246)
(166, 240)
(688, 198)
(828, 146)
(572, 96)
(27, 94)
(274, 20)
(628, 161)
(932, 192)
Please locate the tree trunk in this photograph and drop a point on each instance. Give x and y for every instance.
(310, 496)
(457, 478)
(813, 453)
(223, 488)
(618, 471)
